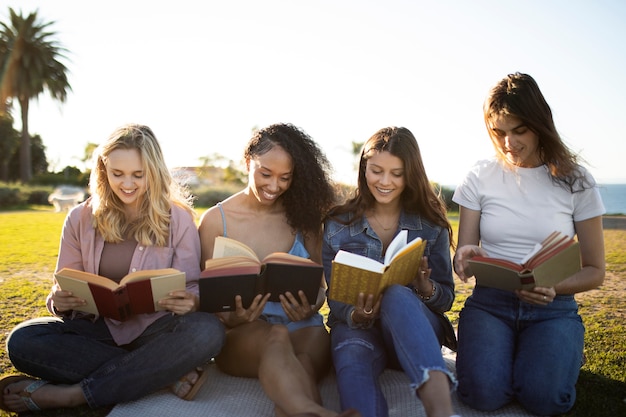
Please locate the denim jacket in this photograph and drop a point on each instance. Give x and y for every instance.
(360, 238)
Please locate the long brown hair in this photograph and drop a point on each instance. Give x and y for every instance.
(418, 197)
(518, 95)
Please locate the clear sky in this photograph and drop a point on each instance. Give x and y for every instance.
(202, 74)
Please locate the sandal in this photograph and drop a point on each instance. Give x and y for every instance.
(203, 374)
(26, 392)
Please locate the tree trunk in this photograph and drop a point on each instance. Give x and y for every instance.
(26, 170)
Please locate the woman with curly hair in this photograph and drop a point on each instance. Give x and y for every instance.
(284, 344)
(137, 218)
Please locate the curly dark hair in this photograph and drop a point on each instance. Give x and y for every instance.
(312, 192)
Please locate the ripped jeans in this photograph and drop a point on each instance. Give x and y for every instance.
(407, 336)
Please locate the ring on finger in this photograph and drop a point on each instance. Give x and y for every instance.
(368, 312)
(545, 298)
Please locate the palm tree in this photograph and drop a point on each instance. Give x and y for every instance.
(28, 65)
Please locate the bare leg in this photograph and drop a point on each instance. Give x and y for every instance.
(435, 395)
(265, 351)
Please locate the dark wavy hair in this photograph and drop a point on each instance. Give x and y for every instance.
(518, 95)
(311, 193)
(418, 197)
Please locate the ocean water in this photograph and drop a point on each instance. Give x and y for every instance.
(614, 198)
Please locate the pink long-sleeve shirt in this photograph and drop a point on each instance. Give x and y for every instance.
(81, 248)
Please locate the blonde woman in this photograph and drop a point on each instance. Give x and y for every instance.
(136, 218)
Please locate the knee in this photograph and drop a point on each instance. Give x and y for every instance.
(548, 402)
(482, 399)
(353, 352)
(278, 334)
(483, 392)
(205, 329)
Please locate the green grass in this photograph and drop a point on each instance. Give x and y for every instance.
(29, 242)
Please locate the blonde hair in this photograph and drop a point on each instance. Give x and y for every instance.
(152, 227)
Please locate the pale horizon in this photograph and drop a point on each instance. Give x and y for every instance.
(202, 75)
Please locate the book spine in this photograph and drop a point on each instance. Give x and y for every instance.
(112, 304)
(140, 297)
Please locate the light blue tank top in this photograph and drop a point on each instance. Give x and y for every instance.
(273, 311)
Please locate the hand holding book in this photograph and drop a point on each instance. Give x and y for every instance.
(547, 264)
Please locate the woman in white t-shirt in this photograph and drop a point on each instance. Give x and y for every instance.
(524, 345)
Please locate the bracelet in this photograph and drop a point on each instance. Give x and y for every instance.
(427, 297)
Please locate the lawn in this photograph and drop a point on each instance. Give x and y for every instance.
(28, 249)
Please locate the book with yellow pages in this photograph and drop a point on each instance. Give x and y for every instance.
(549, 263)
(236, 270)
(136, 293)
(352, 274)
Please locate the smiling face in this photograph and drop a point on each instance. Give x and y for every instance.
(516, 141)
(384, 174)
(126, 177)
(270, 175)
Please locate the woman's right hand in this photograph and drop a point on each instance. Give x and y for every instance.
(365, 310)
(63, 301)
(242, 315)
(461, 256)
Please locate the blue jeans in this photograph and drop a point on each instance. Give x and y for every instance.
(83, 351)
(511, 350)
(407, 336)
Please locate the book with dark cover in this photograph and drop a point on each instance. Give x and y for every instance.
(136, 293)
(236, 270)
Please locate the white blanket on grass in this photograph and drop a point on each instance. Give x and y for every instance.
(227, 396)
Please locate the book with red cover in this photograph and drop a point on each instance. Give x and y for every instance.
(550, 262)
(136, 293)
(236, 270)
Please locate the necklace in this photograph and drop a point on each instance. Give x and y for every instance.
(395, 222)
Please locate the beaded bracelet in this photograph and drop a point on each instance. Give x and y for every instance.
(427, 297)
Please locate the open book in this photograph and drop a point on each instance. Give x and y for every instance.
(549, 263)
(236, 270)
(136, 293)
(353, 274)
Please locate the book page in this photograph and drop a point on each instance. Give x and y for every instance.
(409, 248)
(225, 247)
(396, 245)
(148, 273)
(87, 277)
(286, 258)
(231, 265)
(358, 261)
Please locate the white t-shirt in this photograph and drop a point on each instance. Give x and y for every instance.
(521, 207)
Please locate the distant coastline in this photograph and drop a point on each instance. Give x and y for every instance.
(613, 197)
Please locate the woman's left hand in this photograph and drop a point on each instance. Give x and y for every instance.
(180, 302)
(296, 309)
(538, 295)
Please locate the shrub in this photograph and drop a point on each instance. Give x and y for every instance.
(208, 197)
(10, 197)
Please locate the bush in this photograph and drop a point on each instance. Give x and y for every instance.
(208, 197)
(10, 197)
(38, 197)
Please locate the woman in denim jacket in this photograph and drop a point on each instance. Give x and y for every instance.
(406, 327)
